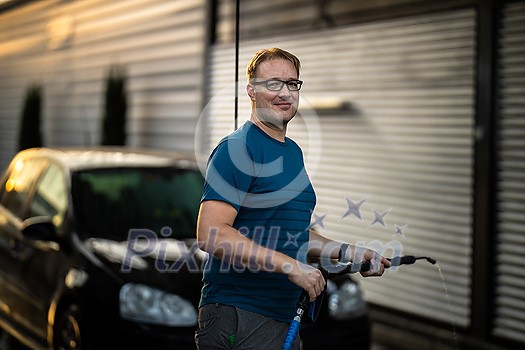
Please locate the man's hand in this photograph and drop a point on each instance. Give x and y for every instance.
(358, 255)
(308, 278)
(377, 262)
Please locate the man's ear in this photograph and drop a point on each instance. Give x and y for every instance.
(251, 92)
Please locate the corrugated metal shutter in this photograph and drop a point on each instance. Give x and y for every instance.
(69, 45)
(403, 143)
(263, 19)
(510, 275)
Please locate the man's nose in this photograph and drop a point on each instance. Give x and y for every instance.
(284, 92)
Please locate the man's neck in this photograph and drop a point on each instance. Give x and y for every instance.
(269, 129)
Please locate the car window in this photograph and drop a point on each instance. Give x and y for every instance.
(51, 195)
(110, 202)
(18, 184)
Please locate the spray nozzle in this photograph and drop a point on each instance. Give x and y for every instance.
(409, 259)
(430, 260)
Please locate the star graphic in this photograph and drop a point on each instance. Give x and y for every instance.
(318, 220)
(292, 239)
(353, 208)
(400, 231)
(379, 218)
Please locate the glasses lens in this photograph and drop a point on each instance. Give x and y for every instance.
(274, 85)
(294, 85)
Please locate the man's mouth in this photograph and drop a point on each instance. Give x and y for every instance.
(283, 105)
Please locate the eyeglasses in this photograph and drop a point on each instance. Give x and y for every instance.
(277, 85)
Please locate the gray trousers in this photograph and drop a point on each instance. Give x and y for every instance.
(226, 327)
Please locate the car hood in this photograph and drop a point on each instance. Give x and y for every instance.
(140, 254)
(169, 264)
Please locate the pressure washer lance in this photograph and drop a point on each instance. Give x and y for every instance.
(304, 305)
(408, 260)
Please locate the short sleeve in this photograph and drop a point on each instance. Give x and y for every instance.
(230, 173)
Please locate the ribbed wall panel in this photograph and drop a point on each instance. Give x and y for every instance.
(161, 43)
(510, 258)
(404, 143)
(276, 17)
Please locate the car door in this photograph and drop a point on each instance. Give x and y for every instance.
(44, 263)
(16, 190)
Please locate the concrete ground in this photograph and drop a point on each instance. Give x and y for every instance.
(4, 345)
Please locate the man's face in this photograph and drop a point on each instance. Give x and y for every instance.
(274, 108)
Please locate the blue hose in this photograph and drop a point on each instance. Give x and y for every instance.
(292, 333)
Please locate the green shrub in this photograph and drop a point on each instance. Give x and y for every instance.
(29, 134)
(115, 107)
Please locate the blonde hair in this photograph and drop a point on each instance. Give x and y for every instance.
(270, 54)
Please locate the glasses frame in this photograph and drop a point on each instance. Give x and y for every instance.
(283, 83)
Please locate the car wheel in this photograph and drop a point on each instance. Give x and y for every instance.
(68, 332)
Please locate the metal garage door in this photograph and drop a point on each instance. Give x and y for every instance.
(510, 275)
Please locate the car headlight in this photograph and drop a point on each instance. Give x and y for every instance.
(345, 301)
(142, 303)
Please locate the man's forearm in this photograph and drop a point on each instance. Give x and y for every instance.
(227, 243)
(321, 246)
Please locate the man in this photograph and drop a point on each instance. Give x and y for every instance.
(254, 220)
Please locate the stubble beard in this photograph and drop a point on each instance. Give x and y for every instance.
(273, 119)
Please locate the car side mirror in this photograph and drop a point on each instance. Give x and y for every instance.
(40, 228)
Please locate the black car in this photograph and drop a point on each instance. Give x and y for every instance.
(98, 251)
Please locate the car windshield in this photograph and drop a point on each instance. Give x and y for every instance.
(110, 202)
